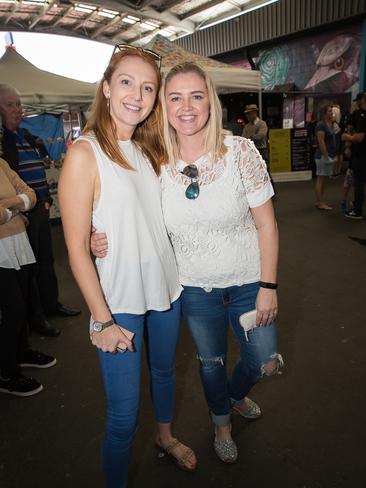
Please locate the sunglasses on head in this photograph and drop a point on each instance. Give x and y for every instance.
(193, 189)
(127, 47)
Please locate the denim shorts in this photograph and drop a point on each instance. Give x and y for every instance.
(324, 167)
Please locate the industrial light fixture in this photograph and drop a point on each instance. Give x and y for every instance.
(33, 2)
(166, 32)
(107, 13)
(130, 19)
(150, 25)
(83, 9)
(111, 12)
(236, 14)
(83, 5)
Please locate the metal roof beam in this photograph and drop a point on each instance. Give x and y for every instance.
(85, 20)
(102, 28)
(170, 19)
(36, 18)
(13, 10)
(146, 34)
(199, 9)
(64, 14)
(172, 3)
(148, 13)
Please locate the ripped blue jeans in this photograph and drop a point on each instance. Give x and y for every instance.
(208, 315)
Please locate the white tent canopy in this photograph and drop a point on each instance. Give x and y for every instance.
(47, 92)
(42, 90)
(227, 78)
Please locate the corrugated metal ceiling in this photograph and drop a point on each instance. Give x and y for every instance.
(118, 21)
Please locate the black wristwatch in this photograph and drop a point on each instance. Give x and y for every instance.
(99, 326)
(271, 286)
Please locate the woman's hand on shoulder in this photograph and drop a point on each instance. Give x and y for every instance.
(113, 338)
(266, 305)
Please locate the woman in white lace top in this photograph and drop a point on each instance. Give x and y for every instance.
(217, 206)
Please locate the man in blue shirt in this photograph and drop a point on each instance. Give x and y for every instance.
(25, 154)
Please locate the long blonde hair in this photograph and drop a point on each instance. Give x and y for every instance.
(148, 135)
(214, 136)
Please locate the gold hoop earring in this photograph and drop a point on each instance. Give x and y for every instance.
(108, 103)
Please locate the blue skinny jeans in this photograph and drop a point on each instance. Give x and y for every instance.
(121, 375)
(208, 315)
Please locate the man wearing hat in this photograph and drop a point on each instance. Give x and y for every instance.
(256, 130)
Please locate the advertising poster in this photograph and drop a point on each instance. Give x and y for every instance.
(280, 150)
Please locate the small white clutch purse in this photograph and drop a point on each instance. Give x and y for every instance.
(248, 321)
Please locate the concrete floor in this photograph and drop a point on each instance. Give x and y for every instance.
(313, 430)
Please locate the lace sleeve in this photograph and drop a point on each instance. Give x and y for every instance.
(253, 172)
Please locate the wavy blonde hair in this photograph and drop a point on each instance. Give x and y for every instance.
(148, 135)
(214, 135)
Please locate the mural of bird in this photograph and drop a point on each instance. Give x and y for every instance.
(337, 65)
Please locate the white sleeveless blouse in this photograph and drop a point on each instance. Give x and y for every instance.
(214, 236)
(139, 272)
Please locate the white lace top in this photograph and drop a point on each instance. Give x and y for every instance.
(214, 236)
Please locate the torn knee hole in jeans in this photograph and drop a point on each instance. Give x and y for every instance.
(272, 367)
(211, 361)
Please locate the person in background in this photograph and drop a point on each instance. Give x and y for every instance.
(25, 155)
(16, 261)
(110, 180)
(325, 154)
(256, 130)
(358, 110)
(358, 149)
(337, 116)
(350, 122)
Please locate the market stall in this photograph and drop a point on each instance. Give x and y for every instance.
(42, 91)
(50, 96)
(227, 78)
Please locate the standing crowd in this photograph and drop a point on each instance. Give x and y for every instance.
(28, 282)
(338, 143)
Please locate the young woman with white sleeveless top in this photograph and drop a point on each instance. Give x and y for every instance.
(109, 180)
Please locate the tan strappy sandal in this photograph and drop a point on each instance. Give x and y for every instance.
(183, 462)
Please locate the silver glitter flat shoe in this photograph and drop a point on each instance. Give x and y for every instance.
(252, 413)
(226, 450)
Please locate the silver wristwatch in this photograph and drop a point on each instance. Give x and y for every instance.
(99, 326)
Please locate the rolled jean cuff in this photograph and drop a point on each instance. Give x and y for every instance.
(220, 420)
(234, 402)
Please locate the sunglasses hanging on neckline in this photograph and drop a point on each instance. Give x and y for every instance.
(193, 189)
